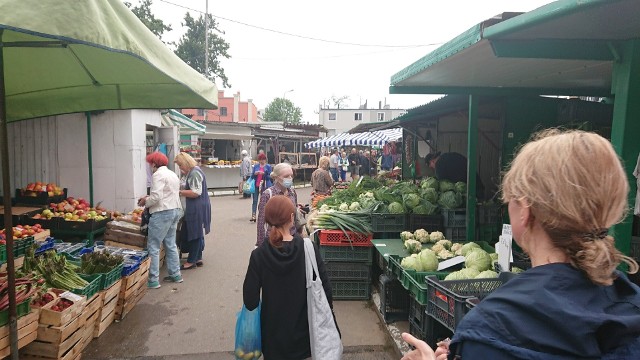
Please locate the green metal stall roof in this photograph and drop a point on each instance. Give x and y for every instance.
(563, 48)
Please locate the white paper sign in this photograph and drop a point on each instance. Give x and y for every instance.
(71, 296)
(450, 262)
(503, 248)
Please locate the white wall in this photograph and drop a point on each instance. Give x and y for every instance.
(345, 118)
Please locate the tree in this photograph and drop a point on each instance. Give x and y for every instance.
(191, 48)
(143, 12)
(281, 109)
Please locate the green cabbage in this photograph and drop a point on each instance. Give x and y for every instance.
(516, 270)
(450, 200)
(411, 263)
(396, 208)
(425, 208)
(460, 187)
(464, 274)
(487, 274)
(494, 256)
(428, 260)
(478, 259)
(468, 247)
(446, 185)
(411, 200)
(430, 183)
(429, 194)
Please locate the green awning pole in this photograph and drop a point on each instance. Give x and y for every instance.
(89, 146)
(6, 192)
(472, 167)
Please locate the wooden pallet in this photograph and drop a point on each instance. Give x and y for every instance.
(27, 333)
(107, 311)
(125, 237)
(90, 314)
(132, 289)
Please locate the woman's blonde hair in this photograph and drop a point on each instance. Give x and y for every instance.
(323, 163)
(576, 189)
(184, 159)
(278, 169)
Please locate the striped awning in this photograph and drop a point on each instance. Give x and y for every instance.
(374, 138)
(187, 126)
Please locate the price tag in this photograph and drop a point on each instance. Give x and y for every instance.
(379, 245)
(129, 252)
(71, 296)
(503, 248)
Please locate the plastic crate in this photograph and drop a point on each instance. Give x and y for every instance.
(40, 198)
(454, 218)
(635, 248)
(345, 253)
(129, 266)
(20, 246)
(111, 277)
(3, 254)
(342, 238)
(83, 226)
(428, 222)
(430, 332)
(458, 234)
(448, 299)
(394, 300)
(489, 214)
(414, 282)
(48, 244)
(388, 222)
(488, 233)
(22, 309)
(351, 290)
(417, 311)
(92, 288)
(51, 224)
(338, 271)
(394, 266)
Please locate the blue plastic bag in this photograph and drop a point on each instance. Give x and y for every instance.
(249, 186)
(248, 334)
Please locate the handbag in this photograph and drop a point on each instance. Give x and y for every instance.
(144, 221)
(249, 186)
(248, 334)
(323, 334)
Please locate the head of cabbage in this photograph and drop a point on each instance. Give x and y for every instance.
(430, 183)
(428, 260)
(450, 200)
(396, 208)
(411, 200)
(466, 248)
(478, 259)
(460, 187)
(429, 194)
(446, 185)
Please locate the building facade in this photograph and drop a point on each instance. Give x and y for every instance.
(230, 109)
(337, 121)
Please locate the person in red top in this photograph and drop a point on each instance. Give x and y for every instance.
(261, 173)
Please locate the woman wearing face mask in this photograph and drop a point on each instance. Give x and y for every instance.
(282, 176)
(261, 174)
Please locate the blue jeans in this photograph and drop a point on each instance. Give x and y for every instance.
(162, 231)
(343, 175)
(254, 205)
(195, 248)
(334, 173)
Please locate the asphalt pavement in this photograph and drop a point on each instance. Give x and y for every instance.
(196, 319)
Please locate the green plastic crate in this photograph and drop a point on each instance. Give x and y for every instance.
(94, 285)
(415, 283)
(111, 277)
(351, 290)
(347, 254)
(3, 254)
(22, 309)
(338, 271)
(20, 246)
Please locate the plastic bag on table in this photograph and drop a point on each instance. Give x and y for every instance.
(248, 335)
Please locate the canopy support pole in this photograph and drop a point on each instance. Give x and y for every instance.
(6, 192)
(90, 157)
(472, 166)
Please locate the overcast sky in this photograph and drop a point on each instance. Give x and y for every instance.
(266, 64)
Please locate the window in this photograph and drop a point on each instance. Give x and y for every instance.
(223, 111)
(332, 116)
(357, 116)
(200, 112)
(380, 116)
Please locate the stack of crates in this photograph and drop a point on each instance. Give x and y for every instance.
(423, 326)
(455, 224)
(489, 219)
(348, 263)
(388, 226)
(394, 299)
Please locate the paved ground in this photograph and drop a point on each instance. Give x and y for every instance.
(196, 319)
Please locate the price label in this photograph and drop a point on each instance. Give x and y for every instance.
(71, 296)
(129, 252)
(503, 248)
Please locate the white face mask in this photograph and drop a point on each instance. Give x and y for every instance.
(287, 183)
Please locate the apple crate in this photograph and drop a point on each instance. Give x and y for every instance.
(107, 309)
(344, 238)
(89, 225)
(38, 197)
(27, 333)
(58, 319)
(51, 224)
(19, 214)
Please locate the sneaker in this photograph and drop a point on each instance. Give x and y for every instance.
(153, 285)
(174, 278)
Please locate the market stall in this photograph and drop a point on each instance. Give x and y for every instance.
(221, 147)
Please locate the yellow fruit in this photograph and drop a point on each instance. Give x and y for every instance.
(239, 353)
(257, 354)
(248, 356)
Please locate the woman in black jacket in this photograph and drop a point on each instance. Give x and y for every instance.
(277, 267)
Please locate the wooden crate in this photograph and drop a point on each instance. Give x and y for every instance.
(132, 289)
(107, 311)
(90, 314)
(61, 318)
(125, 237)
(55, 342)
(27, 333)
(35, 357)
(42, 236)
(17, 263)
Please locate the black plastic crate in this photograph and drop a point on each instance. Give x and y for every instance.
(51, 224)
(41, 198)
(430, 223)
(430, 332)
(488, 233)
(456, 233)
(338, 271)
(386, 235)
(19, 219)
(83, 226)
(635, 248)
(351, 290)
(394, 300)
(489, 214)
(347, 254)
(388, 222)
(448, 299)
(454, 217)
(417, 312)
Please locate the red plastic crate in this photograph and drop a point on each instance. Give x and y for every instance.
(339, 238)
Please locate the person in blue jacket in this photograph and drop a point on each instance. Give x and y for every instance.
(261, 174)
(564, 191)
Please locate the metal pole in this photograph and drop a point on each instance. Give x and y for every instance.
(206, 46)
(90, 157)
(472, 167)
(6, 192)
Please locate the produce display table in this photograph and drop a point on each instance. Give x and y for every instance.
(221, 176)
(386, 247)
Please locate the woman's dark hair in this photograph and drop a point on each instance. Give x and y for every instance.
(277, 213)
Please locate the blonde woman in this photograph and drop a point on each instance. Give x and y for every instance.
(282, 176)
(321, 181)
(564, 191)
(197, 210)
